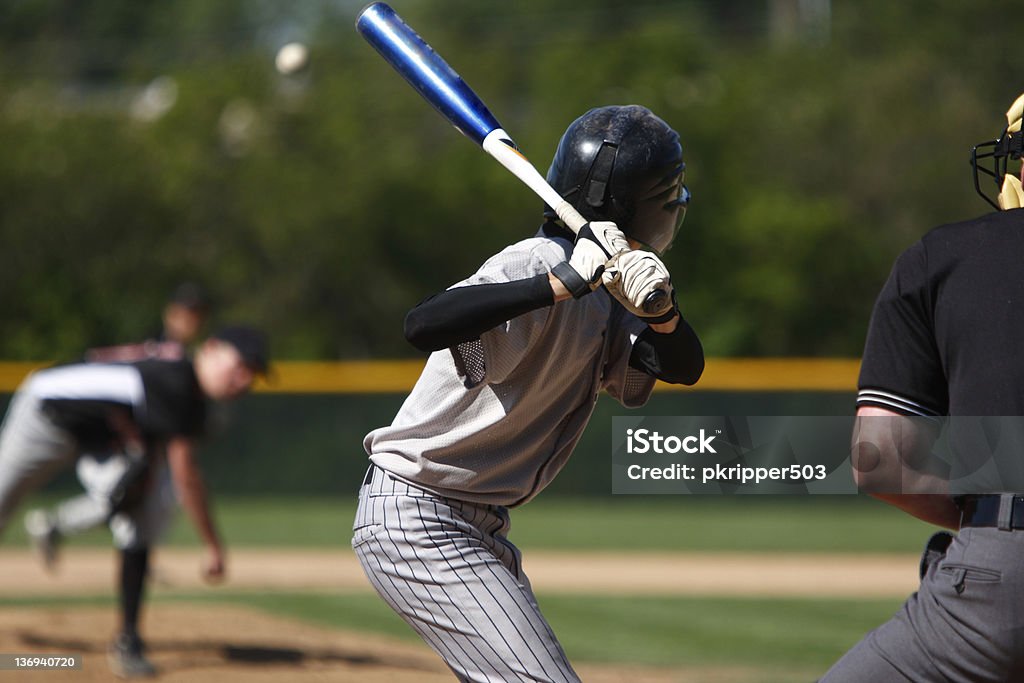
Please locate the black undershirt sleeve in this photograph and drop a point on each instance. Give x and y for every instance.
(676, 357)
(462, 314)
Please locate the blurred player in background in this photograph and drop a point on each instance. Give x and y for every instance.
(521, 351)
(145, 417)
(183, 317)
(945, 339)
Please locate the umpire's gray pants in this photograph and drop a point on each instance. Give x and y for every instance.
(32, 451)
(446, 567)
(964, 625)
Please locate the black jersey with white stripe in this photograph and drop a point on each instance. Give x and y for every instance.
(947, 333)
(162, 398)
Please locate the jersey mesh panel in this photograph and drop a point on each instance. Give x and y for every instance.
(637, 387)
(469, 360)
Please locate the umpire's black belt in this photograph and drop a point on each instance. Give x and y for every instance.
(1005, 511)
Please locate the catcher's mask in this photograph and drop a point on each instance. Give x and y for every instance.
(623, 164)
(1007, 146)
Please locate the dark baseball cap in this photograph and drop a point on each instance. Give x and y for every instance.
(251, 344)
(192, 296)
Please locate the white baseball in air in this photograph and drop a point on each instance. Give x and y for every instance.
(291, 58)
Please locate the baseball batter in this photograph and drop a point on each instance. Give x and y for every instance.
(945, 339)
(145, 416)
(520, 351)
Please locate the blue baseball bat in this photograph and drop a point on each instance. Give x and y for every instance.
(428, 73)
(431, 77)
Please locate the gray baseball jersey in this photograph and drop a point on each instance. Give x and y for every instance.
(492, 421)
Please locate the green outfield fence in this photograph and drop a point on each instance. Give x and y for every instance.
(301, 432)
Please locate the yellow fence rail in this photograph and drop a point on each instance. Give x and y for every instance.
(398, 376)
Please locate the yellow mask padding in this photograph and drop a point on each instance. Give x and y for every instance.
(1012, 194)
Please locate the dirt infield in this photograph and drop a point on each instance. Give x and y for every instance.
(228, 644)
(91, 571)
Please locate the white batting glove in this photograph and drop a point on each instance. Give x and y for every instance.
(632, 277)
(596, 243)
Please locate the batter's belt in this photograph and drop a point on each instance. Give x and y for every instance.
(1001, 510)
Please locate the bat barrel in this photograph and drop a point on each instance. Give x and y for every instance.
(425, 71)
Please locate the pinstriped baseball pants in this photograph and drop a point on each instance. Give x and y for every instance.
(446, 567)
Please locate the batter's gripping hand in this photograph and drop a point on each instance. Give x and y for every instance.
(633, 276)
(595, 244)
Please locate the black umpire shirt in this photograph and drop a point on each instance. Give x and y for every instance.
(947, 332)
(162, 398)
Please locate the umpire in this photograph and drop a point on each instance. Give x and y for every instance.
(945, 339)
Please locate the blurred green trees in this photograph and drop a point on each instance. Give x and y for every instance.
(149, 142)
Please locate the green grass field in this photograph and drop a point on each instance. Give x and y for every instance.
(652, 631)
(845, 524)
